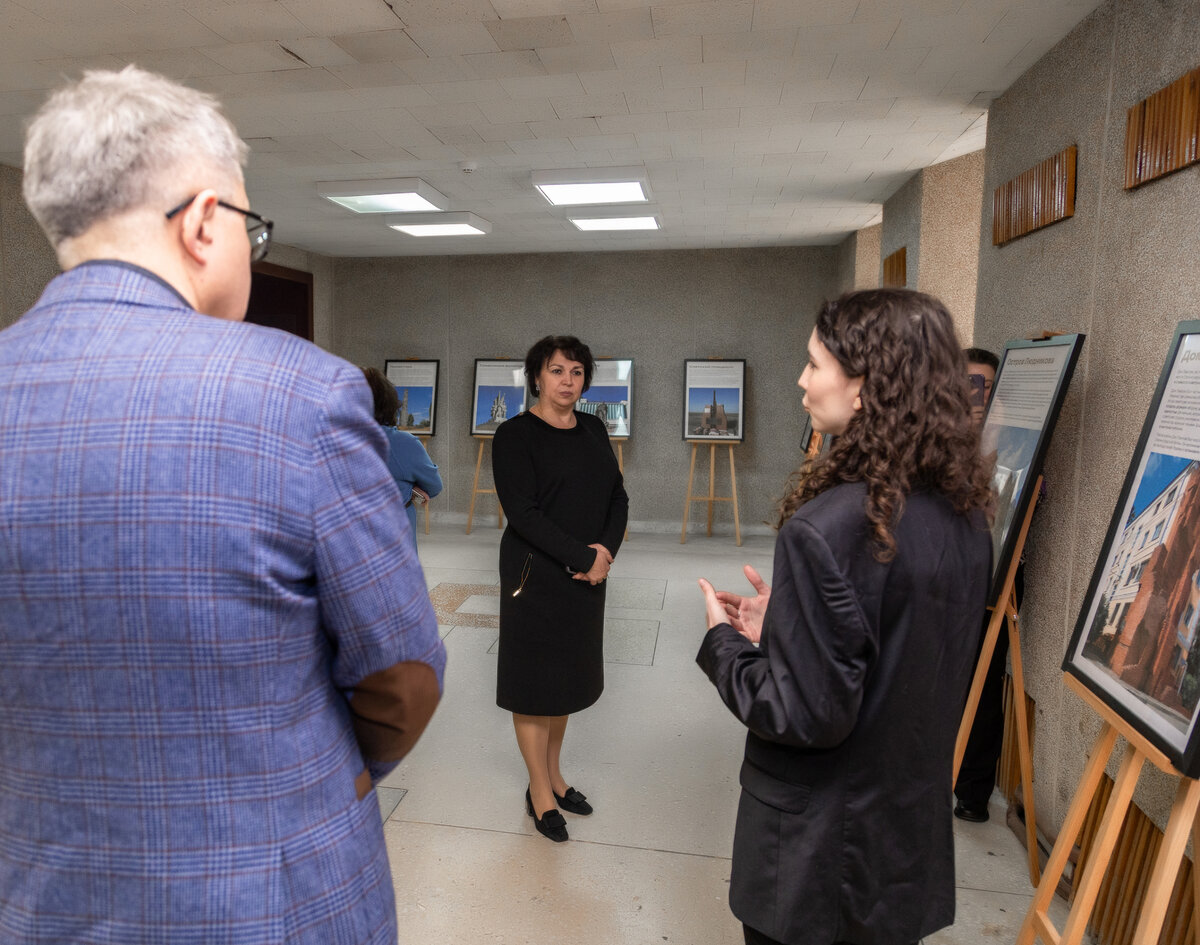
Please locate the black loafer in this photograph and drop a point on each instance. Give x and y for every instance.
(973, 813)
(573, 802)
(551, 824)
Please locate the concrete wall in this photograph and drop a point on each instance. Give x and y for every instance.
(858, 261)
(27, 262)
(935, 217)
(656, 307)
(949, 255)
(1123, 270)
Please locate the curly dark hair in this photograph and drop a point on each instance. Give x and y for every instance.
(914, 430)
(543, 350)
(383, 393)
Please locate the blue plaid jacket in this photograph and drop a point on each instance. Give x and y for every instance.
(201, 551)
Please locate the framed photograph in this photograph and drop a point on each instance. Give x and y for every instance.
(611, 395)
(1027, 396)
(714, 401)
(416, 383)
(499, 394)
(1135, 644)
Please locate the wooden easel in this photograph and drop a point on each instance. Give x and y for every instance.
(425, 442)
(476, 491)
(711, 497)
(1006, 607)
(1180, 825)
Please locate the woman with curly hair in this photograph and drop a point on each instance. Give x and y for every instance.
(851, 673)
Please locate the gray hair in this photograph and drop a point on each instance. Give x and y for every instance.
(115, 141)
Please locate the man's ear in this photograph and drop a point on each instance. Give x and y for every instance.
(197, 226)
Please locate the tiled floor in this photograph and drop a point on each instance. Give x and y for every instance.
(658, 756)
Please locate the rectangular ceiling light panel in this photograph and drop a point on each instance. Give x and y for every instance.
(593, 186)
(397, 195)
(616, 223)
(461, 223)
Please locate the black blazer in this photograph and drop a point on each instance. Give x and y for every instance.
(853, 700)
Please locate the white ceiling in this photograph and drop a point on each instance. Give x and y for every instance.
(759, 122)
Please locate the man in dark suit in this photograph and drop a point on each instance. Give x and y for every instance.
(214, 632)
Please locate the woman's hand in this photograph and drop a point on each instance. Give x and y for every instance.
(599, 569)
(744, 614)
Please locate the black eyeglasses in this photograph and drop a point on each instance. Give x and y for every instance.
(257, 228)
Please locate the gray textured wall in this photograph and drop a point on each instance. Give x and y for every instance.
(1123, 270)
(902, 227)
(858, 260)
(949, 255)
(656, 307)
(27, 262)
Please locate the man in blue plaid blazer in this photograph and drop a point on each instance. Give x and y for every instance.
(214, 631)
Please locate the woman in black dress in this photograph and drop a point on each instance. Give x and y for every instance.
(559, 484)
(851, 672)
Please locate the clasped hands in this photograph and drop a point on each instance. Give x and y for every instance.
(599, 569)
(744, 614)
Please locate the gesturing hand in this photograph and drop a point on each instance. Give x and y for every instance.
(744, 614)
(599, 569)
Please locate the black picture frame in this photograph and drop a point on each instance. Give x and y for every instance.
(1027, 397)
(610, 396)
(714, 400)
(416, 383)
(499, 393)
(1134, 642)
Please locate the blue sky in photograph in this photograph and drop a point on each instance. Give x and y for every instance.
(701, 397)
(487, 394)
(608, 394)
(1160, 470)
(419, 399)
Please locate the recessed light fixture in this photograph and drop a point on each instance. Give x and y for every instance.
(397, 195)
(459, 223)
(593, 186)
(617, 223)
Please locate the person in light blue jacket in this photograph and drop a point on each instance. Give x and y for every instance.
(410, 465)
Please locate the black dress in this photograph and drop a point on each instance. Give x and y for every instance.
(562, 491)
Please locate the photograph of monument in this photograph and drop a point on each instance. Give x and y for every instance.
(416, 386)
(610, 404)
(714, 412)
(415, 414)
(499, 394)
(714, 400)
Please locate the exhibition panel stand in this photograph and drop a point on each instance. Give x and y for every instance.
(711, 497)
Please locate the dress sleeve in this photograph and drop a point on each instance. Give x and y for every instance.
(515, 476)
(373, 601)
(804, 685)
(421, 466)
(618, 505)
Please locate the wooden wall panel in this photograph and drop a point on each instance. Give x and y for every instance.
(1042, 195)
(895, 269)
(1162, 131)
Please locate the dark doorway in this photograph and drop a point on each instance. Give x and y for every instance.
(281, 298)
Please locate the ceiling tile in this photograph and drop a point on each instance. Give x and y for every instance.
(248, 21)
(394, 96)
(851, 37)
(705, 118)
(441, 69)
(851, 111)
(542, 86)
(644, 79)
(689, 75)
(529, 109)
(270, 83)
(506, 65)
(738, 96)
(590, 106)
(541, 146)
(765, 44)
(626, 124)
(442, 113)
(531, 32)
(168, 28)
(251, 57)
(319, 51)
(508, 131)
(696, 19)
(441, 12)
(657, 52)
(345, 16)
(621, 26)
(369, 75)
(590, 57)
(457, 39)
(379, 45)
(478, 90)
(574, 127)
(603, 142)
(788, 14)
(664, 100)
(776, 115)
(507, 9)
(829, 90)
